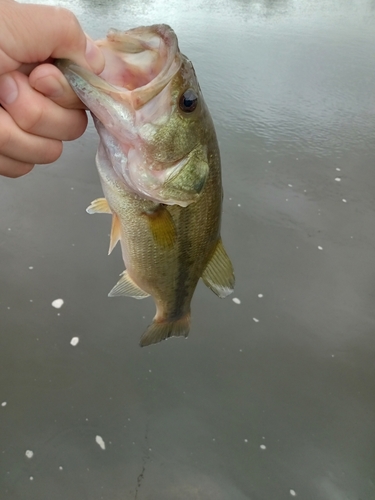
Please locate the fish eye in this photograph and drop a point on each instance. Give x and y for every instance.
(188, 101)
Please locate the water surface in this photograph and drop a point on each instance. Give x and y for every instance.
(269, 398)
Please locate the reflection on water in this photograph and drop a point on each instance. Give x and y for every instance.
(272, 393)
(284, 70)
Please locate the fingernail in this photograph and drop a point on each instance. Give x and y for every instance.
(49, 86)
(94, 56)
(8, 90)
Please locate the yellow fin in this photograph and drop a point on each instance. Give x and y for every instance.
(99, 206)
(162, 226)
(161, 330)
(219, 273)
(115, 233)
(126, 286)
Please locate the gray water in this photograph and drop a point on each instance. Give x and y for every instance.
(269, 398)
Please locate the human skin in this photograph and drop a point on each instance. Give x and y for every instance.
(38, 108)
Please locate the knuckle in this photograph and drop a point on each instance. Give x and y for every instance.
(13, 169)
(23, 169)
(69, 24)
(32, 119)
(5, 137)
(52, 152)
(66, 17)
(77, 126)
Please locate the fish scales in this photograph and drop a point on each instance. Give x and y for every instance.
(159, 165)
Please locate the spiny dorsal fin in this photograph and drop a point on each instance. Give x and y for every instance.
(219, 273)
(126, 286)
(99, 206)
(115, 233)
(161, 226)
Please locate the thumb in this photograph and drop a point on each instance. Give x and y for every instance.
(36, 33)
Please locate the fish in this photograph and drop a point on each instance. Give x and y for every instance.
(159, 166)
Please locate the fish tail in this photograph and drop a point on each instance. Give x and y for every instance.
(161, 330)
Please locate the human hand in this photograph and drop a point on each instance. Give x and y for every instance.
(38, 108)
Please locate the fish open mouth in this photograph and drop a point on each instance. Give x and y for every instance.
(129, 100)
(139, 63)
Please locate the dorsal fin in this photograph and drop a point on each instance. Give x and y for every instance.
(219, 273)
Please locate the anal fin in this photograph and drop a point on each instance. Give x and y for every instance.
(115, 233)
(126, 286)
(99, 206)
(219, 273)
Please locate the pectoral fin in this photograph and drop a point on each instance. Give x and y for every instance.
(99, 206)
(115, 233)
(126, 286)
(161, 226)
(184, 183)
(219, 273)
(185, 186)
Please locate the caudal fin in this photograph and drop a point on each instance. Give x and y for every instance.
(161, 330)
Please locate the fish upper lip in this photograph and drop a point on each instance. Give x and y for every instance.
(117, 67)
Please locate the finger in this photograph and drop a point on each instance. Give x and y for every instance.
(35, 113)
(51, 32)
(13, 168)
(24, 147)
(49, 81)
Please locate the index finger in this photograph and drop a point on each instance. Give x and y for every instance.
(52, 32)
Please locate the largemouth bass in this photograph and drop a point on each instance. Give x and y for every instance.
(159, 166)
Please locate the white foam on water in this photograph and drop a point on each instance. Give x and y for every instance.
(74, 341)
(57, 303)
(100, 442)
(236, 300)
